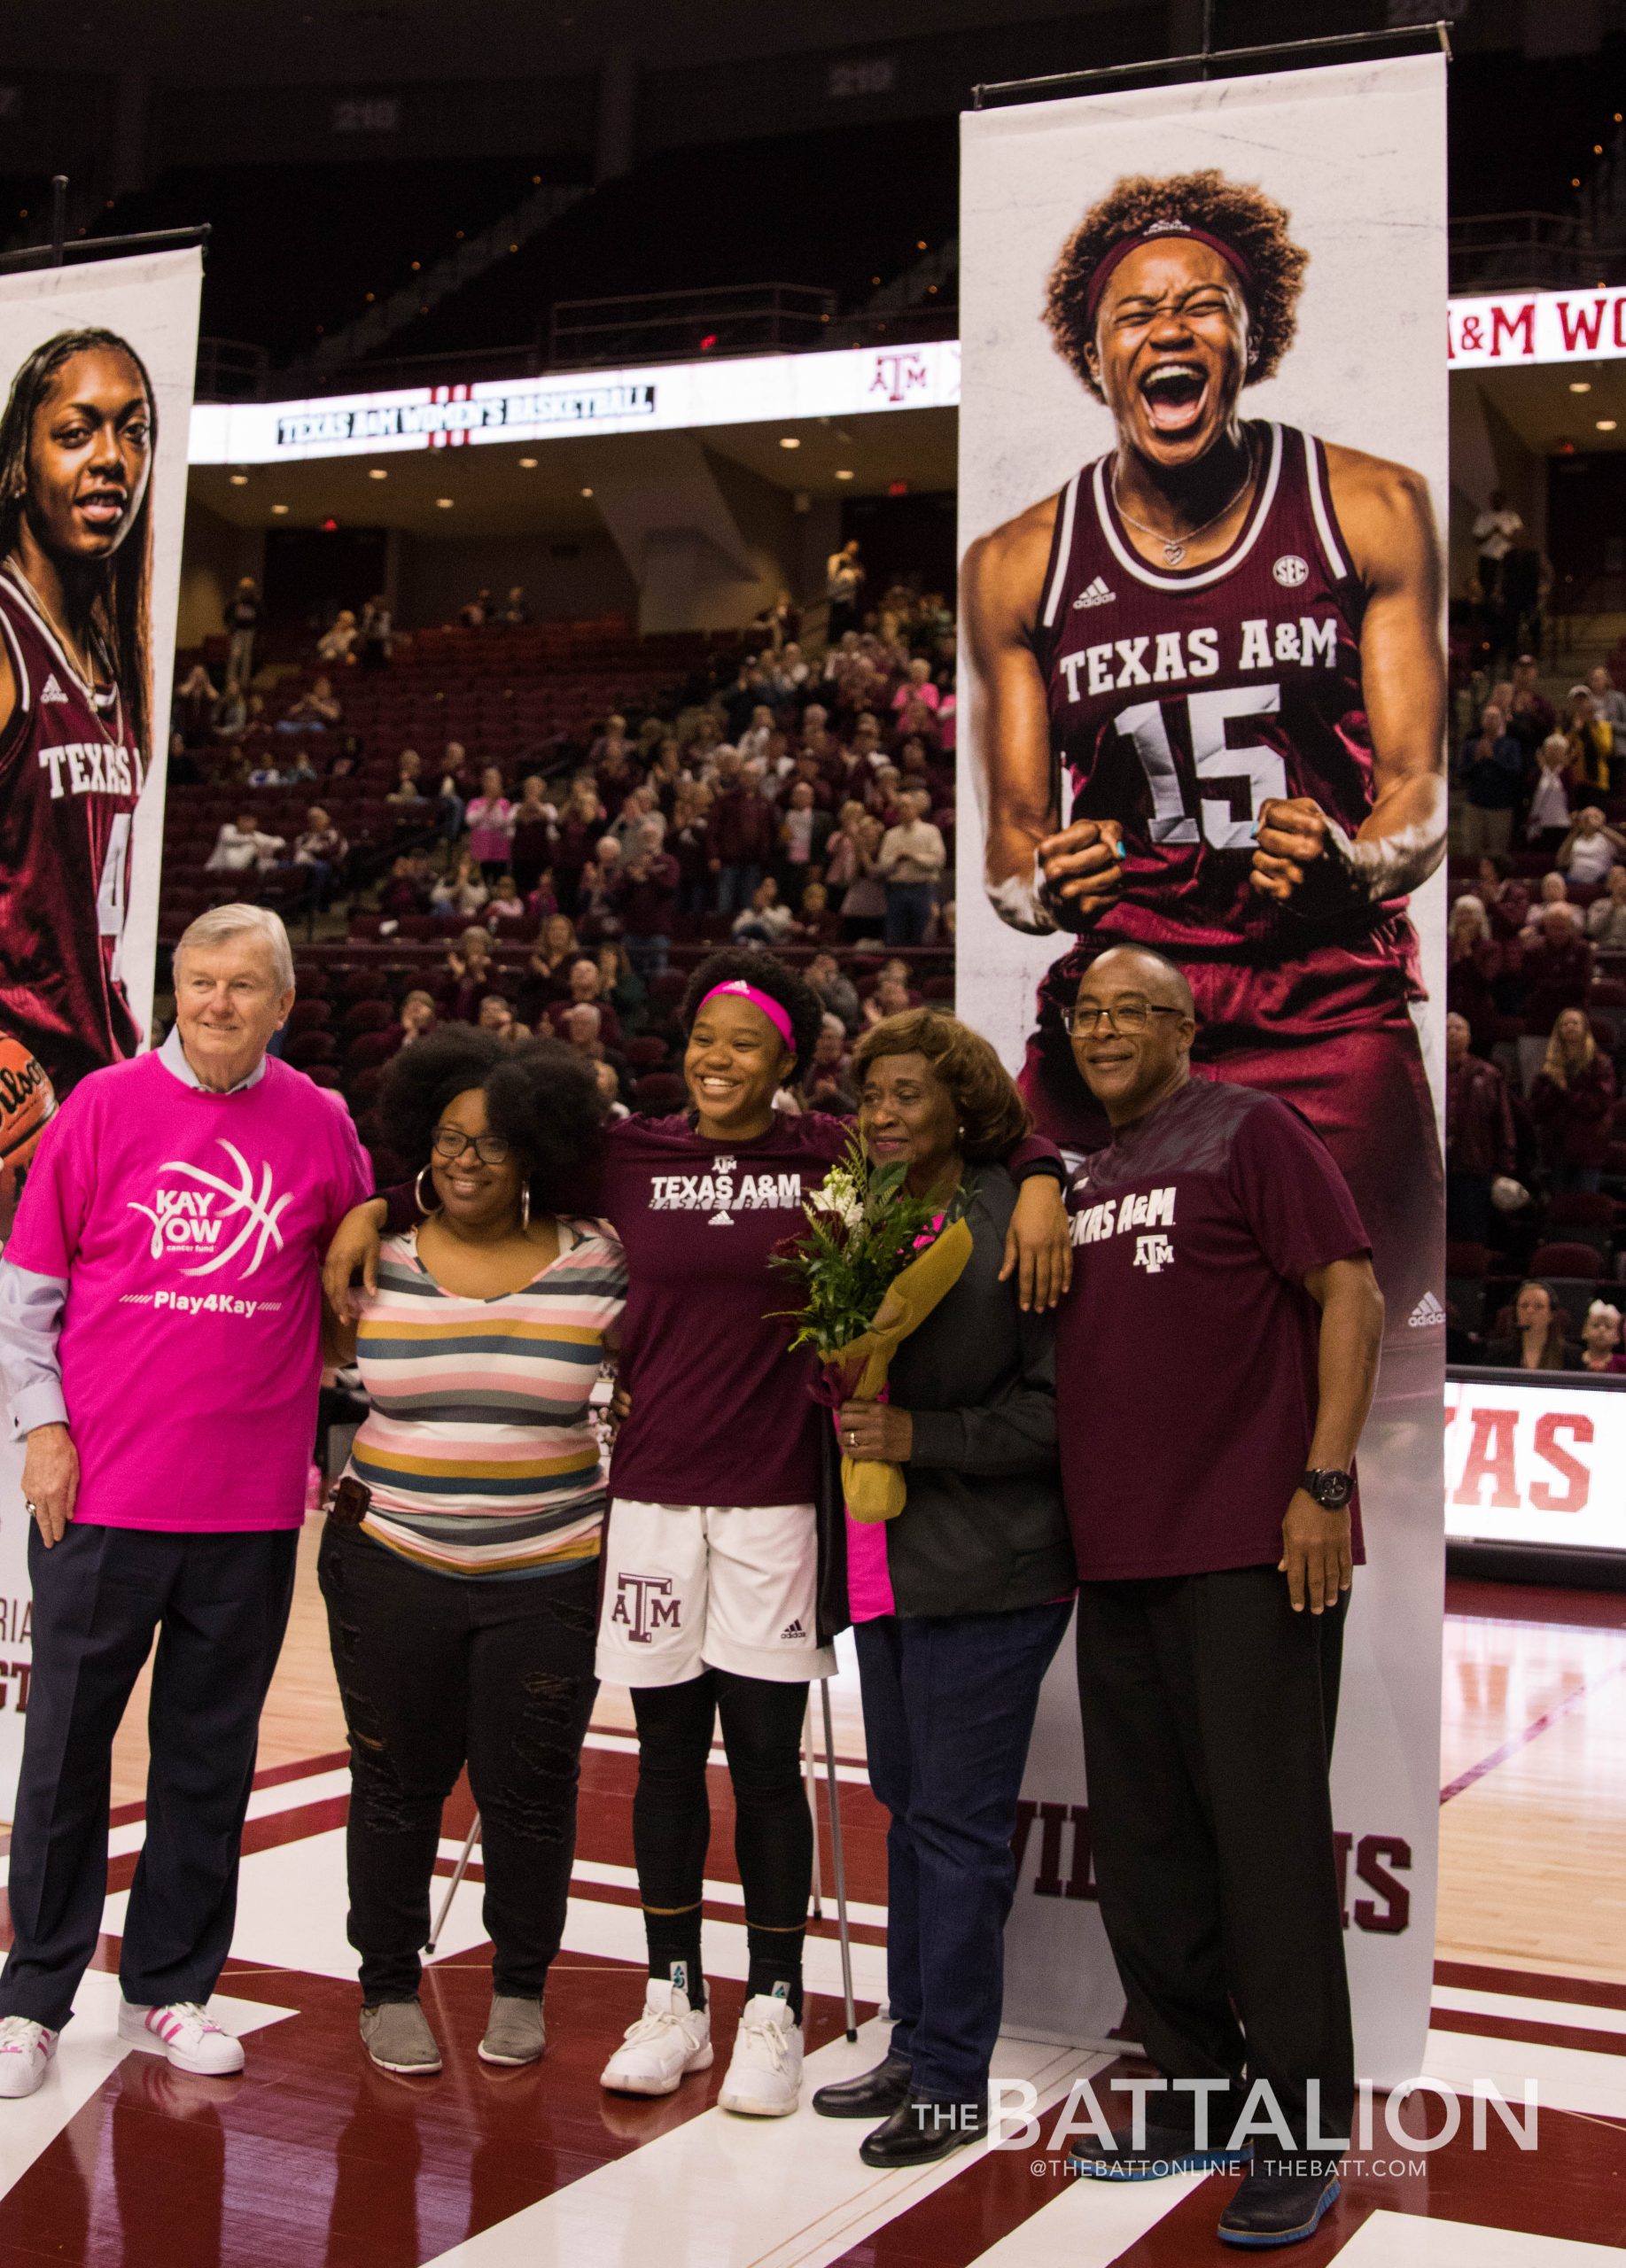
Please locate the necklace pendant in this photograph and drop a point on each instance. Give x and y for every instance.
(1173, 551)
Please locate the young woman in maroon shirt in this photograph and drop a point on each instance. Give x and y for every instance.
(711, 1590)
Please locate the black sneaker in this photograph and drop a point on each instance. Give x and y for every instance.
(1165, 2150)
(1279, 2207)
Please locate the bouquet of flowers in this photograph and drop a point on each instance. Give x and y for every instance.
(871, 1266)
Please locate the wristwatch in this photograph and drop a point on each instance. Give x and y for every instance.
(1330, 1490)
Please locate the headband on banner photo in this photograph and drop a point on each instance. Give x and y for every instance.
(1120, 252)
(776, 1015)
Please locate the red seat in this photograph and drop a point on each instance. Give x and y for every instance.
(1564, 1260)
(308, 1047)
(366, 1015)
(658, 1090)
(308, 1015)
(369, 1049)
(1466, 1259)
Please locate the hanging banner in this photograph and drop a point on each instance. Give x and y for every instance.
(1151, 693)
(96, 362)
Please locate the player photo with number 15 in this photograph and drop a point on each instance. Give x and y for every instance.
(1227, 634)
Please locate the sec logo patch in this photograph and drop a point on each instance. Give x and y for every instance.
(1290, 571)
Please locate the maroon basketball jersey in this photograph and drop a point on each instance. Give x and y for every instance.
(70, 774)
(1181, 699)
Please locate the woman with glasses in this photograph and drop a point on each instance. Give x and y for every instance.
(460, 1562)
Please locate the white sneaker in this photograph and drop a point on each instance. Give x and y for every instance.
(191, 2040)
(765, 2074)
(669, 2041)
(26, 2048)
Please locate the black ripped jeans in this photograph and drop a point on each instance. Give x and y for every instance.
(434, 1672)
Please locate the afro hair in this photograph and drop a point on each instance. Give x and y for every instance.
(749, 965)
(541, 1097)
(1235, 212)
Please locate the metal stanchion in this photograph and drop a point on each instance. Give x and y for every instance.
(810, 1774)
(838, 1863)
(458, 1872)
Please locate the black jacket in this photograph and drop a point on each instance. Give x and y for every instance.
(984, 1529)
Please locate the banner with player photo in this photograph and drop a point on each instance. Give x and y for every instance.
(97, 363)
(1202, 707)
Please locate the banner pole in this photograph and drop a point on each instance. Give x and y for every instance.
(1061, 83)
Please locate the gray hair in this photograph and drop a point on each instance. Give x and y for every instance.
(222, 923)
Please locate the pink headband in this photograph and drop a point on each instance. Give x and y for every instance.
(770, 1007)
(1124, 245)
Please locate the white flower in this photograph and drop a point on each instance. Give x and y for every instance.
(836, 1197)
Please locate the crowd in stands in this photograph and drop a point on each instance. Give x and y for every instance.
(541, 825)
(1536, 1114)
(537, 826)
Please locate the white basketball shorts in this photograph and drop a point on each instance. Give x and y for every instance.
(694, 1587)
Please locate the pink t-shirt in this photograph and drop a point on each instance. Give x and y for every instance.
(189, 1227)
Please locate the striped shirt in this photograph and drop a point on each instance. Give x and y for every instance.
(479, 1448)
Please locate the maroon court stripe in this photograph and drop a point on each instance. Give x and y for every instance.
(1530, 1984)
(1532, 1731)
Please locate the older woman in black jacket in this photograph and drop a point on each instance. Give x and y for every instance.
(959, 1602)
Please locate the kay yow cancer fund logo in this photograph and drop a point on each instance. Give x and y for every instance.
(213, 1220)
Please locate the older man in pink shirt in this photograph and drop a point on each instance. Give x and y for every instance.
(160, 1343)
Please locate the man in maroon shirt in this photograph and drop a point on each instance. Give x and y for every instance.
(740, 835)
(1215, 1525)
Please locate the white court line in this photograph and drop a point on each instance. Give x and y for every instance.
(124, 1841)
(718, 2192)
(292, 1901)
(598, 1874)
(1091, 2223)
(90, 2053)
(1565, 2078)
(1408, 2241)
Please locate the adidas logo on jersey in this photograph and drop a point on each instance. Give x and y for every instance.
(1095, 594)
(1426, 1314)
(793, 1630)
(51, 690)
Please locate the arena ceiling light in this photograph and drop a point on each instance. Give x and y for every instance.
(1580, 385)
(279, 510)
(377, 472)
(443, 503)
(527, 465)
(1606, 425)
(587, 492)
(239, 480)
(788, 441)
(844, 474)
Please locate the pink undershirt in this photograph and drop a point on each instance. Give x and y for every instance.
(870, 1581)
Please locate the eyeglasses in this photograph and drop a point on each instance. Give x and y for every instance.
(490, 1149)
(1128, 1015)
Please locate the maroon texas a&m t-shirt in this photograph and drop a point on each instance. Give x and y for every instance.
(721, 1410)
(1185, 1352)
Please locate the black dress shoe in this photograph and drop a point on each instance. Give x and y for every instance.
(1279, 2208)
(873, 2094)
(923, 2129)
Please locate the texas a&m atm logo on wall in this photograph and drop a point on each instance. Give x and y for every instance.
(1053, 1859)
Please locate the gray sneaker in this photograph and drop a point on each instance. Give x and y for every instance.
(396, 2035)
(515, 2032)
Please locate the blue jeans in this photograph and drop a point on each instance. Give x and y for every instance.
(735, 887)
(949, 1703)
(908, 911)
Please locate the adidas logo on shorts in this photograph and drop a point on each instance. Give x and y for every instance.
(1095, 593)
(1427, 1314)
(792, 1631)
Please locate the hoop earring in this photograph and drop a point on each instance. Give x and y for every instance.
(428, 1211)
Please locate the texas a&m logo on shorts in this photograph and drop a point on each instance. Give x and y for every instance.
(645, 1604)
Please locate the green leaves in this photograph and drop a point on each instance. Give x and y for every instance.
(863, 1229)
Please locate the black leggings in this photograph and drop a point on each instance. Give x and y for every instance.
(773, 1829)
